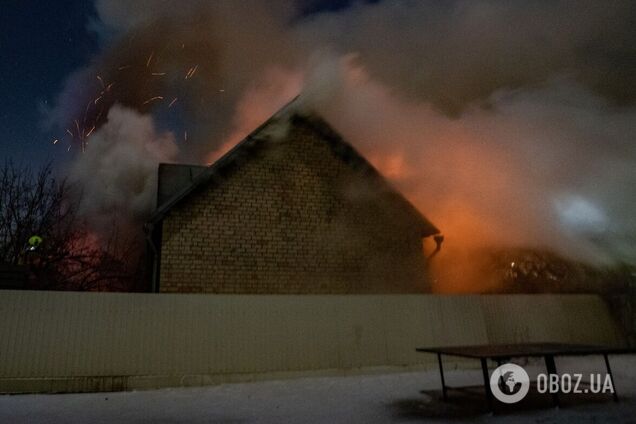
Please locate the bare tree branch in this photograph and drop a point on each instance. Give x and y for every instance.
(70, 257)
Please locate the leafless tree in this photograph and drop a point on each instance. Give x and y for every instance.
(70, 257)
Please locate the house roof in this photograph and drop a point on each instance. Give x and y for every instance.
(244, 150)
(173, 178)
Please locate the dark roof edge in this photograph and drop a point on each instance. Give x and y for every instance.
(219, 165)
(339, 146)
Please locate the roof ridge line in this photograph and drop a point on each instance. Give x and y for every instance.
(160, 212)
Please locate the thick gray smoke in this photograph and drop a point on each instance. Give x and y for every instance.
(457, 53)
(546, 167)
(507, 123)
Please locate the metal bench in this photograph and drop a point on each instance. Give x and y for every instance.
(504, 352)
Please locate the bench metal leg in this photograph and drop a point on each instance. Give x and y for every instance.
(609, 372)
(551, 367)
(484, 370)
(441, 374)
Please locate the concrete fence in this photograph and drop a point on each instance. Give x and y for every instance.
(58, 342)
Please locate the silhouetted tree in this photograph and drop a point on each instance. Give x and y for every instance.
(70, 257)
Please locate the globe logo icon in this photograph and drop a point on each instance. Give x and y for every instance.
(509, 380)
(509, 383)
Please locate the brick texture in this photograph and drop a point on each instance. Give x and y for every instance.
(293, 218)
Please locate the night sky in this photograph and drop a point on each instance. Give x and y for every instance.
(41, 43)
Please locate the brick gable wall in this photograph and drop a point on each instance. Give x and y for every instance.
(291, 219)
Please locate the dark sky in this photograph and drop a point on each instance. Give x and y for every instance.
(41, 43)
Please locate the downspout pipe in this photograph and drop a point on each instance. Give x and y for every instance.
(149, 230)
(439, 239)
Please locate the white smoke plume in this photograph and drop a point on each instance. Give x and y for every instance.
(548, 168)
(117, 174)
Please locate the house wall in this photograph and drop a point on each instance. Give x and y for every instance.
(293, 219)
(65, 341)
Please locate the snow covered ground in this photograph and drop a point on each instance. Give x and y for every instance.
(354, 399)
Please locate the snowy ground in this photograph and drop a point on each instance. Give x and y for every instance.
(355, 399)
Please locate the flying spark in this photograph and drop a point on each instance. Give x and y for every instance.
(85, 125)
(149, 59)
(191, 72)
(152, 99)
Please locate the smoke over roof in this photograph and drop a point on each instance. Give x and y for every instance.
(507, 123)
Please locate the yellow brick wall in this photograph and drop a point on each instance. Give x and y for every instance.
(293, 218)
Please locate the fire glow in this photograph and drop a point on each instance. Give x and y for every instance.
(517, 156)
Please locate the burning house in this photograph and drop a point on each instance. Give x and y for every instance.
(292, 208)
